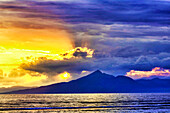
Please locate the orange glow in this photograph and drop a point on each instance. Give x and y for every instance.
(157, 71)
(65, 55)
(27, 40)
(11, 59)
(46, 40)
(18, 44)
(64, 75)
(19, 77)
(84, 72)
(30, 37)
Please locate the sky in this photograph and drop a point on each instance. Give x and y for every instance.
(51, 41)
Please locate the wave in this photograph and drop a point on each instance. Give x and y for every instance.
(45, 108)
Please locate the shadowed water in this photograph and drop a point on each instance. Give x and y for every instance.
(15, 103)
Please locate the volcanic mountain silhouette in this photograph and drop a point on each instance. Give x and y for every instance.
(98, 82)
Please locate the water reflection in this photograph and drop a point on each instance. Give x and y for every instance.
(85, 102)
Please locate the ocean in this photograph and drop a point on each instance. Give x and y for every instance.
(85, 103)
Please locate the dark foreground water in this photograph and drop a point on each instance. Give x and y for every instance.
(85, 103)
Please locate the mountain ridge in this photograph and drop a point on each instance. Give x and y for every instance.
(98, 82)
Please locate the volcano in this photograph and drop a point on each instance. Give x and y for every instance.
(98, 82)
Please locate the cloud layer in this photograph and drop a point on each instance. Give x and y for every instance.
(122, 35)
(158, 72)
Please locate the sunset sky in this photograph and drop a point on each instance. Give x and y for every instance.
(50, 41)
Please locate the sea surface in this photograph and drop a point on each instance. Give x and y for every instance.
(86, 103)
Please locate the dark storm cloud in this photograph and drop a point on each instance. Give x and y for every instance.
(119, 34)
(125, 48)
(110, 11)
(123, 30)
(152, 14)
(126, 34)
(109, 64)
(71, 65)
(101, 11)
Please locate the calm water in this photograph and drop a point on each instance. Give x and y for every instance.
(85, 103)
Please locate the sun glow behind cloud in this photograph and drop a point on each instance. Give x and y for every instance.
(64, 75)
(24, 40)
(157, 71)
(12, 59)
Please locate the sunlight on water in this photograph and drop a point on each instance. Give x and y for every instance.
(15, 103)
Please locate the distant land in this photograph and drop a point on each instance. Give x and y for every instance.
(14, 88)
(98, 82)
